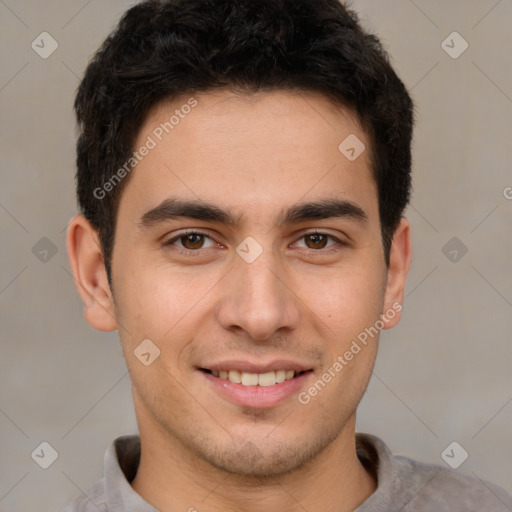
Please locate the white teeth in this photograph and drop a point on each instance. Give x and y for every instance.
(255, 379)
(280, 376)
(249, 379)
(235, 376)
(267, 379)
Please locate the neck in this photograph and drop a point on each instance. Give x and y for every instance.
(171, 478)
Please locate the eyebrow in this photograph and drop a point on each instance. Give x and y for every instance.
(171, 209)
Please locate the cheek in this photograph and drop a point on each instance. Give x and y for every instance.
(346, 300)
(161, 303)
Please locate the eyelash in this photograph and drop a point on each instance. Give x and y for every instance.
(196, 252)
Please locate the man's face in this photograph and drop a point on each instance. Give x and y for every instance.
(264, 293)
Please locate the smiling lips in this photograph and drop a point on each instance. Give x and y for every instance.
(257, 384)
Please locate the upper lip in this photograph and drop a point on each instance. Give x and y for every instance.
(253, 367)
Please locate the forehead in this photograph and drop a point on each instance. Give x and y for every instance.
(251, 150)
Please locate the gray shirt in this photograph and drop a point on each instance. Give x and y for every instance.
(404, 485)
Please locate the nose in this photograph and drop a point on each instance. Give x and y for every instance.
(258, 298)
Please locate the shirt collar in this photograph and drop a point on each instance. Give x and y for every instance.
(121, 463)
(378, 459)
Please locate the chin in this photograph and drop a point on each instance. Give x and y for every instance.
(261, 459)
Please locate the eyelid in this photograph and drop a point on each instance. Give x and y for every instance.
(320, 231)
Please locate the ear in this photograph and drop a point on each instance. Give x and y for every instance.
(399, 262)
(88, 266)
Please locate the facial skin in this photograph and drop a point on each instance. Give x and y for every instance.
(302, 301)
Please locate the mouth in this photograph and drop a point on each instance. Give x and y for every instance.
(258, 387)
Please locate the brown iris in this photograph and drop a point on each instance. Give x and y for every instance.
(318, 241)
(192, 241)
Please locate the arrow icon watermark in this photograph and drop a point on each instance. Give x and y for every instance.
(147, 352)
(454, 249)
(44, 250)
(454, 45)
(44, 455)
(352, 147)
(454, 455)
(44, 45)
(249, 250)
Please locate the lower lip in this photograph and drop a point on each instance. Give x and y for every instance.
(258, 397)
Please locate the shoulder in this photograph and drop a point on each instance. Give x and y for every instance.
(434, 487)
(93, 500)
(408, 485)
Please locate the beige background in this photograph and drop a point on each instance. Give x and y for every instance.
(442, 375)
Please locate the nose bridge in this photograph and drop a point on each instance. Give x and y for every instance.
(259, 300)
(261, 281)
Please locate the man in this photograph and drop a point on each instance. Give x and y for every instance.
(243, 169)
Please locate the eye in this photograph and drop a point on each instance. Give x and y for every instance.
(191, 241)
(317, 241)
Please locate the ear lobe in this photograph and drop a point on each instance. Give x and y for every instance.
(88, 267)
(399, 263)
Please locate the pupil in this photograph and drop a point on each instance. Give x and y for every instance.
(193, 241)
(318, 240)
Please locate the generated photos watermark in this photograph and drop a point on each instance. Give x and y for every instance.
(152, 141)
(343, 360)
